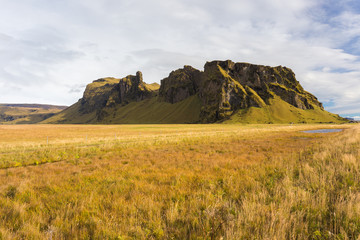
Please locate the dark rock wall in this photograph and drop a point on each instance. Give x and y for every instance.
(96, 95)
(104, 93)
(180, 84)
(225, 87)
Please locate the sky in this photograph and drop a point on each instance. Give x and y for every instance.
(50, 50)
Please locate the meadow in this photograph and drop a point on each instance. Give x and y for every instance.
(216, 181)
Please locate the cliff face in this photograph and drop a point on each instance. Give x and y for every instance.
(180, 84)
(225, 87)
(109, 92)
(130, 88)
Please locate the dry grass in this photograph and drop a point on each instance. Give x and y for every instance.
(179, 182)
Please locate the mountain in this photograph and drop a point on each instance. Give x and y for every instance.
(224, 92)
(27, 113)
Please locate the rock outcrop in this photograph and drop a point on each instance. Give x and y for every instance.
(130, 88)
(110, 92)
(180, 84)
(223, 91)
(225, 87)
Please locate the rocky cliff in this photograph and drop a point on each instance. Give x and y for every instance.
(109, 92)
(180, 84)
(225, 87)
(223, 91)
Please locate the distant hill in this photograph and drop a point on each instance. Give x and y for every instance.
(27, 113)
(224, 92)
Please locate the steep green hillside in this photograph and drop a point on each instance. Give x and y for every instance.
(279, 111)
(155, 111)
(188, 111)
(147, 111)
(72, 115)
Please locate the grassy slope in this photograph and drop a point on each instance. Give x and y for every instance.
(281, 112)
(153, 111)
(97, 84)
(71, 115)
(23, 114)
(147, 111)
(187, 111)
(152, 86)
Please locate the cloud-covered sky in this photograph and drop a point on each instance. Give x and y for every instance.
(50, 50)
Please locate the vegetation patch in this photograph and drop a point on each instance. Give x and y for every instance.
(179, 181)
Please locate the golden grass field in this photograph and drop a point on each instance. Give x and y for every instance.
(179, 182)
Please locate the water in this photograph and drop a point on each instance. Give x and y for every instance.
(324, 130)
